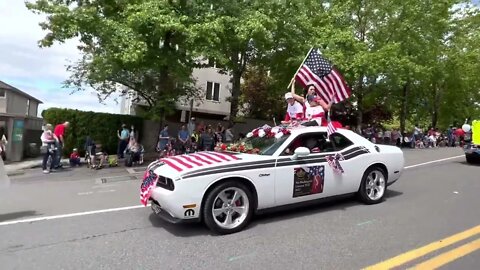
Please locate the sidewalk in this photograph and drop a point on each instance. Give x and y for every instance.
(17, 168)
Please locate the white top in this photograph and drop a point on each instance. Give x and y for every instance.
(311, 111)
(294, 109)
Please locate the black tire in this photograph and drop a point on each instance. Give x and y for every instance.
(363, 190)
(207, 212)
(469, 159)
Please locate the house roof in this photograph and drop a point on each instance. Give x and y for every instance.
(6, 86)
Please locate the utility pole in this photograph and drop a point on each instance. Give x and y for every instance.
(190, 111)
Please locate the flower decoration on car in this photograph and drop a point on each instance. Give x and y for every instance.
(268, 131)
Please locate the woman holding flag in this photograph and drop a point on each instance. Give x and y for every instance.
(317, 73)
(314, 106)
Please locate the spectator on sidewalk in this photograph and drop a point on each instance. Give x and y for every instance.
(163, 139)
(123, 137)
(49, 140)
(74, 158)
(3, 143)
(207, 141)
(59, 132)
(191, 126)
(229, 135)
(387, 137)
(183, 136)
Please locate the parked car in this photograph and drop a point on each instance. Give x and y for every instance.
(472, 148)
(225, 189)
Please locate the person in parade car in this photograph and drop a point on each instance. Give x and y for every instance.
(314, 107)
(295, 110)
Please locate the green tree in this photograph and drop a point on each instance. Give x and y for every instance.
(146, 46)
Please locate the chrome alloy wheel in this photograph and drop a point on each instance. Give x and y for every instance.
(230, 208)
(375, 185)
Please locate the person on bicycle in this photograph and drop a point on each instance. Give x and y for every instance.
(48, 148)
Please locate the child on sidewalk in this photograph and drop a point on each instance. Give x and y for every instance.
(74, 158)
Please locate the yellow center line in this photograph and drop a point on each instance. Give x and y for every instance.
(419, 252)
(449, 256)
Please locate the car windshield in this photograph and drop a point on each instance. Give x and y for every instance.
(266, 145)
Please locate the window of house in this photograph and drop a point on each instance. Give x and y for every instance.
(213, 91)
(2, 93)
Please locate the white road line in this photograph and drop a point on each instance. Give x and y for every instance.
(72, 215)
(430, 162)
(85, 193)
(141, 206)
(105, 191)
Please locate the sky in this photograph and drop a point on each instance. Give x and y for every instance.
(40, 72)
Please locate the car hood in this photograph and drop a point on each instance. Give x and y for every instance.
(175, 167)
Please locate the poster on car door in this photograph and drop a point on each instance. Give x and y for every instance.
(308, 180)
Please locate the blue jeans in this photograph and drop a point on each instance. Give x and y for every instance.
(58, 157)
(45, 159)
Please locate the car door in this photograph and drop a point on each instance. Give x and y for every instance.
(305, 178)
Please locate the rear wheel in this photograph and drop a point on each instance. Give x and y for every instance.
(373, 186)
(228, 208)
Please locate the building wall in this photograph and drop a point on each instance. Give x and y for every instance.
(16, 104)
(33, 111)
(204, 75)
(222, 106)
(3, 103)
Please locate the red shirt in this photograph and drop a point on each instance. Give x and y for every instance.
(74, 155)
(59, 130)
(459, 132)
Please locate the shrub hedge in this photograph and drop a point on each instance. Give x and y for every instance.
(101, 127)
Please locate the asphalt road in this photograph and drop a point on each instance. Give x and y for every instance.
(429, 203)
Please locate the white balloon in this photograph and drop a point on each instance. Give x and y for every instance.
(279, 135)
(261, 133)
(249, 135)
(275, 130)
(466, 127)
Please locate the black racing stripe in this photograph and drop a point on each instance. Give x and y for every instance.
(356, 154)
(351, 150)
(229, 170)
(351, 153)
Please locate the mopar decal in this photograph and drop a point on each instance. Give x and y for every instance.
(189, 213)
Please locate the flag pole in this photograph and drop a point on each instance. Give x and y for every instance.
(293, 79)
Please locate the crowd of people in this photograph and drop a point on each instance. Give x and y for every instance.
(193, 137)
(53, 142)
(418, 137)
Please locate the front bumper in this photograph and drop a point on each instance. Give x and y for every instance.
(165, 215)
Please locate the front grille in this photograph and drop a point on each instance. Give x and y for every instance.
(165, 183)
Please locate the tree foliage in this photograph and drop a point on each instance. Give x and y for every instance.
(410, 60)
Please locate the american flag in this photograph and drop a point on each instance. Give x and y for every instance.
(148, 184)
(334, 162)
(330, 128)
(328, 82)
(191, 161)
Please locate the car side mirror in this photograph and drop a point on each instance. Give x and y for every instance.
(301, 152)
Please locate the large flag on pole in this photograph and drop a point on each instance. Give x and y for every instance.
(328, 82)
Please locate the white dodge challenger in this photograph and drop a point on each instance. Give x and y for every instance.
(224, 189)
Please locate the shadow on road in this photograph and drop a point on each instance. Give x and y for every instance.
(464, 163)
(181, 230)
(16, 215)
(196, 229)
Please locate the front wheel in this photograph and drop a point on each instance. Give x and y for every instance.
(228, 208)
(373, 186)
